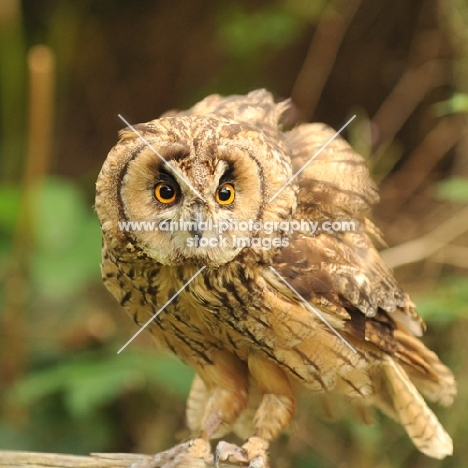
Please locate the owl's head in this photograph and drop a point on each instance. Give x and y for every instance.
(196, 191)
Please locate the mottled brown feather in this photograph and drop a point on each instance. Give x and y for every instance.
(251, 339)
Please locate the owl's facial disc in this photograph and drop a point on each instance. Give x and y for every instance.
(193, 205)
(201, 169)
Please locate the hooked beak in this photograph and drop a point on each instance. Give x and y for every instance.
(197, 221)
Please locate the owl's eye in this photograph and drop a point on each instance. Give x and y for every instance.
(225, 194)
(165, 193)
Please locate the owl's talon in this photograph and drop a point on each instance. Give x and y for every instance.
(256, 449)
(231, 453)
(252, 454)
(194, 453)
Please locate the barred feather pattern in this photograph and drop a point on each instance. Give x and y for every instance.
(251, 339)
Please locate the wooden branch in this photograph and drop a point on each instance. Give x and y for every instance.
(321, 57)
(95, 460)
(420, 249)
(413, 172)
(407, 94)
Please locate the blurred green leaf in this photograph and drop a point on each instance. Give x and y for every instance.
(168, 372)
(246, 33)
(457, 104)
(306, 8)
(93, 385)
(59, 215)
(447, 302)
(454, 190)
(310, 461)
(68, 240)
(52, 430)
(92, 380)
(10, 198)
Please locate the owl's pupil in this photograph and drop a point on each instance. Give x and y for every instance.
(224, 194)
(166, 192)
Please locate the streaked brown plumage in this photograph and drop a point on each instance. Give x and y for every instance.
(251, 340)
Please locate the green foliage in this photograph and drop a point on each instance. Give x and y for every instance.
(90, 381)
(447, 302)
(454, 189)
(80, 396)
(310, 461)
(250, 37)
(51, 429)
(10, 198)
(246, 33)
(68, 240)
(70, 402)
(457, 104)
(65, 234)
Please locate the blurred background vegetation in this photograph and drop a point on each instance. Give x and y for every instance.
(68, 68)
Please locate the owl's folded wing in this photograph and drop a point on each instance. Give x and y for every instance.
(335, 188)
(340, 272)
(345, 283)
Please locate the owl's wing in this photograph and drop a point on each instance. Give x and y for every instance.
(340, 272)
(336, 184)
(335, 187)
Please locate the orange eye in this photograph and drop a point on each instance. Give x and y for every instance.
(225, 194)
(165, 193)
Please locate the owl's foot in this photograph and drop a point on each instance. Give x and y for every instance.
(252, 454)
(195, 453)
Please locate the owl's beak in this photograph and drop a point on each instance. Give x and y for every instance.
(197, 218)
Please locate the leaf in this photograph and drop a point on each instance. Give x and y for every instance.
(59, 211)
(447, 302)
(457, 104)
(10, 199)
(93, 380)
(454, 189)
(68, 240)
(170, 373)
(247, 33)
(92, 386)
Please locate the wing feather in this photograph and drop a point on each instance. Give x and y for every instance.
(341, 272)
(336, 183)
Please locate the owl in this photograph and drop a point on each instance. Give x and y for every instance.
(230, 239)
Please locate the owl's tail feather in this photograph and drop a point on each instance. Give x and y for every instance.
(417, 418)
(423, 366)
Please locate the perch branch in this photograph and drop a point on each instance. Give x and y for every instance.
(9, 459)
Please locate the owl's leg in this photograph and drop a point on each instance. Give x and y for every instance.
(215, 402)
(273, 414)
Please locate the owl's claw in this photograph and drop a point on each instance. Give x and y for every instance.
(195, 453)
(252, 454)
(229, 452)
